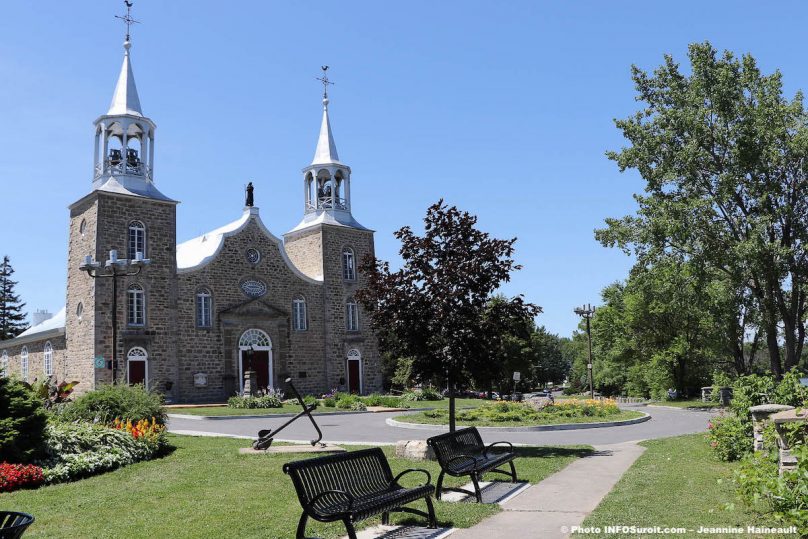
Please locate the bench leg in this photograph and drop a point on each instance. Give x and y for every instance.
(439, 488)
(513, 472)
(301, 526)
(433, 523)
(349, 527)
(385, 518)
(477, 493)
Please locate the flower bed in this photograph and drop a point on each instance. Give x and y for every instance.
(528, 414)
(17, 476)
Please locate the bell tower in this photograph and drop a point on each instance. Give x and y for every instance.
(123, 212)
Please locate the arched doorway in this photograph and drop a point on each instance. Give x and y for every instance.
(137, 367)
(259, 343)
(354, 370)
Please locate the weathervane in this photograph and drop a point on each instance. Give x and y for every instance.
(127, 19)
(325, 81)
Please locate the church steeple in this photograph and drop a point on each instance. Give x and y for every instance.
(124, 137)
(327, 181)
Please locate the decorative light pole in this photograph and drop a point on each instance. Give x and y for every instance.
(587, 311)
(114, 269)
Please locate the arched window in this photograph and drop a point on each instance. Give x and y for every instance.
(348, 264)
(137, 239)
(48, 359)
(4, 363)
(136, 313)
(204, 308)
(299, 314)
(24, 363)
(351, 315)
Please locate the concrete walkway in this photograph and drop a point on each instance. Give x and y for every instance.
(552, 507)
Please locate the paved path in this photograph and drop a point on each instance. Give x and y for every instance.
(552, 507)
(372, 429)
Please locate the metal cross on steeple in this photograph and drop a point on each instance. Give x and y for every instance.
(127, 19)
(325, 81)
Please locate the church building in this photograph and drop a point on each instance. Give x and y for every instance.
(191, 318)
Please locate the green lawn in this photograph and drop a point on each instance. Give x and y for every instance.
(295, 408)
(206, 489)
(443, 420)
(692, 403)
(677, 482)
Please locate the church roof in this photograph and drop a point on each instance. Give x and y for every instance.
(326, 152)
(132, 188)
(51, 327)
(125, 99)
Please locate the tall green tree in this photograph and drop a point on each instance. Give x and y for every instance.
(722, 152)
(438, 305)
(12, 316)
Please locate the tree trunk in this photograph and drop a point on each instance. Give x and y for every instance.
(774, 349)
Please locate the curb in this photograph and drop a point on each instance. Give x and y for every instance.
(270, 416)
(538, 428)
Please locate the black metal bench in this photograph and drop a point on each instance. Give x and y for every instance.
(13, 524)
(463, 453)
(354, 486)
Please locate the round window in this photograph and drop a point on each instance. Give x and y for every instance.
(253, 256)
(254, 288)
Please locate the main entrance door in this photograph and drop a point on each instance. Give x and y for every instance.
(259, 343)
(136, 366)
(260, 364)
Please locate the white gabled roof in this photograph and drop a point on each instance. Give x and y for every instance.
(198, 252)
(57, 321)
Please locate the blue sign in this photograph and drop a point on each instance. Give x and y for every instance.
(99, 362)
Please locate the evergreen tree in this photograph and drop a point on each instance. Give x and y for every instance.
(12, 316)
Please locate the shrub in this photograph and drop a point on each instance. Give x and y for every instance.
(358, 406)
(411, 396)
(329, 402)
(22, 422)
(308, 400)
(785, 496)
(429, 393)
(730, 437)
(77, 450)
(388, 401)
(346, 402)
(17, 476)
(108, 402)
(248, 401)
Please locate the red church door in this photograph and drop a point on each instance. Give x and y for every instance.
(260, 364)
(137, 372)
(354, 385)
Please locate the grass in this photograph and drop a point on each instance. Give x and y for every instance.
(295, 408)
(206, 489)
(692, 403)
(677, 482)
(443, 419)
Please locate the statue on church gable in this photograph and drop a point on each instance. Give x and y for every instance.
(249, 202)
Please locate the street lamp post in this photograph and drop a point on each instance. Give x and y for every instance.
(114, 269)
(587, 311)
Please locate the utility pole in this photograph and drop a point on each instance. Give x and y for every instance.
(587, 311)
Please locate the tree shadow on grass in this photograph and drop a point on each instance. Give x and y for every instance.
(552, 452)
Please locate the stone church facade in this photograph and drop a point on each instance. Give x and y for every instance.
(191, 318)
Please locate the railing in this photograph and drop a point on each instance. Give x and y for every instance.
(121, 168)
(326, 203)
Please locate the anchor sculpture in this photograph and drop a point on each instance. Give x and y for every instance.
(266, 436)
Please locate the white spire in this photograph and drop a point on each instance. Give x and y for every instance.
(125, 99)
(326, 151)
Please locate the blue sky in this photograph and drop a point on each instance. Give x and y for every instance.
(504, 109)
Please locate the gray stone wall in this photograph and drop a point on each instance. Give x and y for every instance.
(158, 335)
(337, 292)
(214, 351)
(36, 358)
(305, 251)
(80, 330)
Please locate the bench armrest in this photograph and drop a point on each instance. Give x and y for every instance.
(325, 492)
(428, 476)
(464, 457)
(487, 449)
